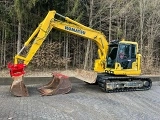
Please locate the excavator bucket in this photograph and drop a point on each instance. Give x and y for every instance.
(86, 76)
(81, 74)
(18, 87)
(60, 84)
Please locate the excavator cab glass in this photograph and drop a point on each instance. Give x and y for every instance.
(123, 53)
(111, 58)
(126, 55)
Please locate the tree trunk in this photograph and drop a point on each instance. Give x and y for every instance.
(19, 37)
(91, 56)
(125, 27)
(86, 55)
(89, 41)
(66, 65)
(110, 19)
(141, 6)
(2, 45)
(4, 50)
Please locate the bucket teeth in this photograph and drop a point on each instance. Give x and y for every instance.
(59, 85)
(18, 87)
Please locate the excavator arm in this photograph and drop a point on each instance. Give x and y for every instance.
(40, 34)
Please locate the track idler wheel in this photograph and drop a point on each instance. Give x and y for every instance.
(18, 87)
(60, 84)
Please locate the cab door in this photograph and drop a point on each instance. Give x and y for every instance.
(126, 55)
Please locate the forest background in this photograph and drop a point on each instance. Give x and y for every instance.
(134, 20)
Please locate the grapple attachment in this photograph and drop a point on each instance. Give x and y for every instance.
(59, 85)
(18, 87)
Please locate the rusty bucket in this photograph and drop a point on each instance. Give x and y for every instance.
(60, 84)
(18, 87)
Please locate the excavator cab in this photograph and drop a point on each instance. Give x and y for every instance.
(123, 58)
(122, 62)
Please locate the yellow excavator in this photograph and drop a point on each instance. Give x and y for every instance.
(117, 68)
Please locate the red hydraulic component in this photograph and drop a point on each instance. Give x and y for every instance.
(18, 87)
(16, 69)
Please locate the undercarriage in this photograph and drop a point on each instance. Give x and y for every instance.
(112, 83)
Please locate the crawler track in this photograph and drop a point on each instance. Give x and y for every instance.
(111, 83)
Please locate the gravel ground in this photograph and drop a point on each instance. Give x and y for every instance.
(84, 102)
